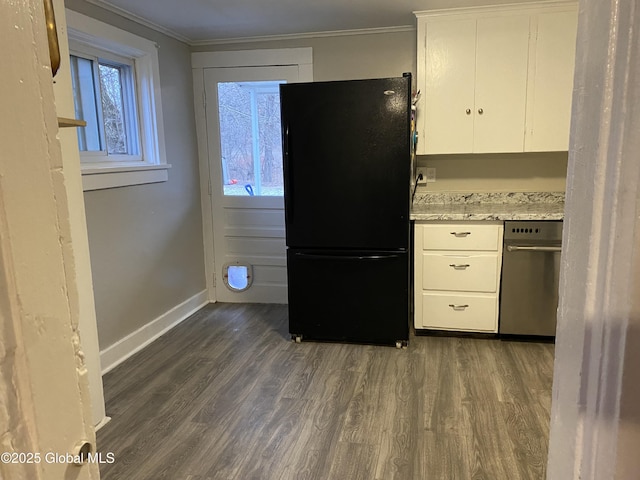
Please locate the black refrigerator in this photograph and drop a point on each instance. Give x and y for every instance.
(347, 167)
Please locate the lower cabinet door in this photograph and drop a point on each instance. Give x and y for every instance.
(468, 312)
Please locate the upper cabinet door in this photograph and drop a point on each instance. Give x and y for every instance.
(549, 102)
(502, 54)
(449, 90)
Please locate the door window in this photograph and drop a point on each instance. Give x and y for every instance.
(250, 138)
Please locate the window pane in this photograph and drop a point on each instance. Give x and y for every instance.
(250, 138)
(85, 100)
(113, 109)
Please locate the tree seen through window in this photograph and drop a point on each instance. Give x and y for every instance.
(250, 138)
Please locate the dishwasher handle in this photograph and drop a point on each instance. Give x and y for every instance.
(520, 248)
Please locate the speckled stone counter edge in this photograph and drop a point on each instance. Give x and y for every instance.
(489, 206)
(488, 197)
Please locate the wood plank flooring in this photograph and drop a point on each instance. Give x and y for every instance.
(227, 395)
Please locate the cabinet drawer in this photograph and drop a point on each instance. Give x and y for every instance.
(460, 312)
(461, 237)
(472, 273)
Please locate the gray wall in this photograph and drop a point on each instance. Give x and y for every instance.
(347, 57)
(146, 247)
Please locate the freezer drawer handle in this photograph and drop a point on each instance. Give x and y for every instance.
(458, 308)
(460, 266)
(345, 257)
(523, 248)
(460, 234)
(288, 178)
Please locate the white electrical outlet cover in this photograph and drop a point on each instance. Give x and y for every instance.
(421, 171)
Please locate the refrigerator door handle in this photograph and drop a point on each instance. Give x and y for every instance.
(319, 256)
(288, 183)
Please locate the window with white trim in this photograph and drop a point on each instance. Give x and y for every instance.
(116, 90)
(104, 97)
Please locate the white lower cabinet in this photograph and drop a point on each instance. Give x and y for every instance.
(457, 275)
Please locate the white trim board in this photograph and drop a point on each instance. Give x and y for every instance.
(111, 179)
(117, 353)
(307, 35)
(253, 58)
(497, 10)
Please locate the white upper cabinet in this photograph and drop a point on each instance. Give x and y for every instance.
(495, 79)
(552, 65)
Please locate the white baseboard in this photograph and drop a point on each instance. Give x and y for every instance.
(117, 353)
(102, 423)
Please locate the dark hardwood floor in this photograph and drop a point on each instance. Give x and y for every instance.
(227, 395)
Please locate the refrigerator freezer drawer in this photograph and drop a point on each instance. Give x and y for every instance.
(349, 296)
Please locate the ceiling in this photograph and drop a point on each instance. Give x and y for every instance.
(223, 21)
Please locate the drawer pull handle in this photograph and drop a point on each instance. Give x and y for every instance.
(458, 307)
(459, 267)
(460, 234)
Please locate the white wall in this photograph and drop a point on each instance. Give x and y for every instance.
(347, 57)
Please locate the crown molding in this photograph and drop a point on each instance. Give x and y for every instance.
(498, 9)
(104, 4)
(297, 36)
(142, 21)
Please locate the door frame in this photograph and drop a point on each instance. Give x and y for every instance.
(300, 57)
(44, 380)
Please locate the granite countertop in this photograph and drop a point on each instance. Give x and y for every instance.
(488, 206)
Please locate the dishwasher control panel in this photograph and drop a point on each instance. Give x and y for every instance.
(537, 231)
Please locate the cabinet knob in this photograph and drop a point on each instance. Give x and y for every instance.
(468, 111)
(480, 111)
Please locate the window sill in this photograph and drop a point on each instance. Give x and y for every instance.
(99, 177)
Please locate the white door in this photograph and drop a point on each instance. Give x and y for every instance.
(246, 186)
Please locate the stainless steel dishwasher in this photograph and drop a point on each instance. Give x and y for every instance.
(530, 269)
